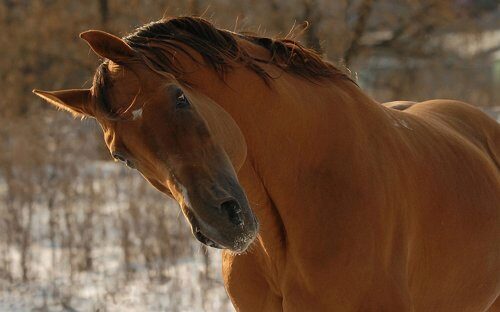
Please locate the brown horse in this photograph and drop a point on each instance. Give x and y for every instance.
(361, 207)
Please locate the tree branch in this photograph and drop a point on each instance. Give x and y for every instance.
(405, 26)
(364, 13)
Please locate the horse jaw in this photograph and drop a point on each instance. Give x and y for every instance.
(222, 126)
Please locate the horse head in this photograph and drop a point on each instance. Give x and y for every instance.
(181, 141)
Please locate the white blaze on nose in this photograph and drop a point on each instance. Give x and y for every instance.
(136, 114)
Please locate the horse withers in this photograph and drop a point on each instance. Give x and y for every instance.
(322, 199)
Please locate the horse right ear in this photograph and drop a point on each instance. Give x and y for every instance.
(75, 101)
(108, 46)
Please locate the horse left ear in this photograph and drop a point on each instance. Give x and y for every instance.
(108, 46)
(75, 101)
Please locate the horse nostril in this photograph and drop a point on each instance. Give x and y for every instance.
(233, 210)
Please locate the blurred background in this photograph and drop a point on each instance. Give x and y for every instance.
(81, 233)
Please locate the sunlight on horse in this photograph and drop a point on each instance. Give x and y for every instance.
(360, 207)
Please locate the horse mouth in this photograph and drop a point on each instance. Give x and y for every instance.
(205, 240)
(202, 238)
(238, 243)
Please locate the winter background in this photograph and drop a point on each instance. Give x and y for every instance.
(79, 232)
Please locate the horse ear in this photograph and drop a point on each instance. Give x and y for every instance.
(108, 46)
(75, 101)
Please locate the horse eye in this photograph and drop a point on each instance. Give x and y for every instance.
(182, 101)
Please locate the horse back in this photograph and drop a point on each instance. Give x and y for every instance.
(467, 121)
(454, 248)
(399, 105)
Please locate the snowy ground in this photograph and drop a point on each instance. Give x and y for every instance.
(106, 288)
(184, 283)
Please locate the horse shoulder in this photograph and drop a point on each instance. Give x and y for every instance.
(249, 287)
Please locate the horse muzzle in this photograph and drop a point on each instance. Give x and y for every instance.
(227, 223)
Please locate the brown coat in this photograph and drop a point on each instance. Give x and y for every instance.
(361, 207)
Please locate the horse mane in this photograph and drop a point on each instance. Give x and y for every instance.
(159, 41)
(219, 49)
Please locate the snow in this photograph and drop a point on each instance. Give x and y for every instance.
(179, 282)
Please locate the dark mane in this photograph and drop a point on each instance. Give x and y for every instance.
(219, 48)
(159, 41)
(100, 85)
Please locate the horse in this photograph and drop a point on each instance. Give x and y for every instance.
(321, 198)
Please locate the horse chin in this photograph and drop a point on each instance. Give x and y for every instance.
(205, 240)
(210, 237)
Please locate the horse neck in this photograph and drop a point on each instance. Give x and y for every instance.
(290, 126)
(292, 117)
